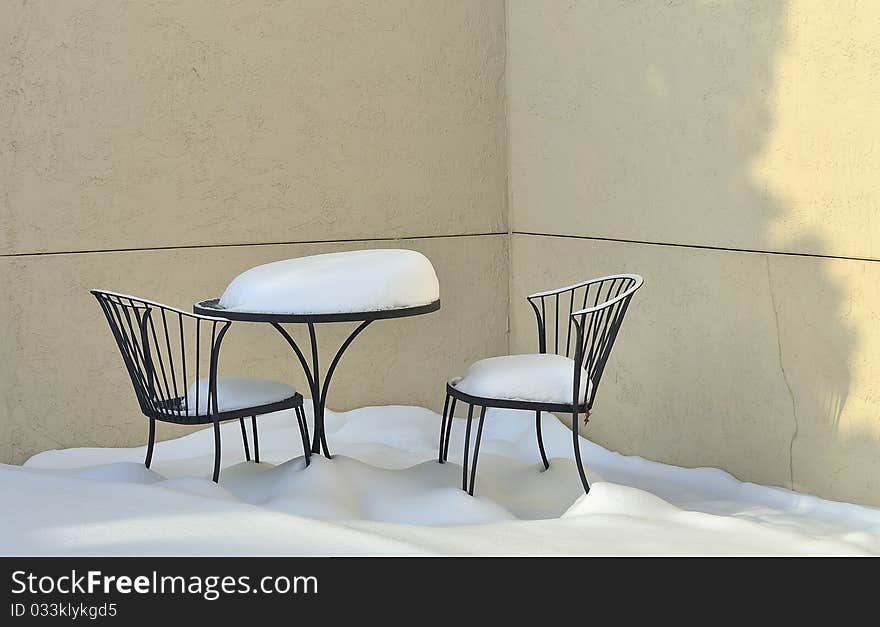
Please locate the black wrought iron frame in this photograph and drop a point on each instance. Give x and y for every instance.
(318, 388)
(596, 309)
(152, 350)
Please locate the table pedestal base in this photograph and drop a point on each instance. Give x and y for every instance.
(313, 377)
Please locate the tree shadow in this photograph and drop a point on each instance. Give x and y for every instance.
(659, 127)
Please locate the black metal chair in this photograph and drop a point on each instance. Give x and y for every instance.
(563, 380)
(163, 346)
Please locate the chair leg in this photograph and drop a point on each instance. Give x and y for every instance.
(256, 441)
(304, 433)
(477, 450)
(216, 477)
(305, 430)
(467, 447)
(577, 451)
(443, 429)
(541, 440)
(244, 439)
(150, 443)
(449, 430)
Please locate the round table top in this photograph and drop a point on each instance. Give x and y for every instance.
(211, 307)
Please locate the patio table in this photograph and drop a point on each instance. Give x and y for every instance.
(318, 388)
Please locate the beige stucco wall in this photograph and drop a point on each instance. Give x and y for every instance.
(185, 123)
(647, 131)
(160, 148)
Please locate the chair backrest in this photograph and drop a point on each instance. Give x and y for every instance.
(163, 347)
(581, 321)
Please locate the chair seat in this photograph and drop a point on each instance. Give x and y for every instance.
(540, 378)
(234, 393)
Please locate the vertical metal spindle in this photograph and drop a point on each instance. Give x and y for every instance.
(568, 326)
(183, 362)
(556, 325)
(171, 360)
(542, 329)
(198, 364)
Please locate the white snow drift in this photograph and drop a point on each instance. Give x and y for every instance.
(343, 282)
(385, 493)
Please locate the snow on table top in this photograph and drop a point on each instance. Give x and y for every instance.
(343, 282)
(384, 493)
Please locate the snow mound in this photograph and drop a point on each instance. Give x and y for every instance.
(343, 282)
(384, 493)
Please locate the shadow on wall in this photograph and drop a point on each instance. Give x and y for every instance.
(679, 103)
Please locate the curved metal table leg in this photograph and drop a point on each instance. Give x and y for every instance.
(317, 405)
(323, 403)
(318, 389)
(310, 379)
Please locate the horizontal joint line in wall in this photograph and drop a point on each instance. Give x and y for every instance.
(196, 246)
(697, 246)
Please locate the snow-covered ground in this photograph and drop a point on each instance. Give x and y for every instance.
(384, 493)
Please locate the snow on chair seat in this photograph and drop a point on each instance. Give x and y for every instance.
(235, 393)
(343, 282)
(540, 378)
